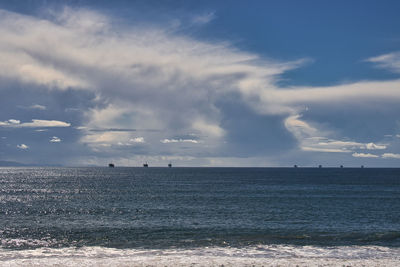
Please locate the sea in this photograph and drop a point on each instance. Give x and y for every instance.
(199, 216)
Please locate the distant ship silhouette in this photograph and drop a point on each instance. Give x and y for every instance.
(169, 165)
(146, 165)
(111, 165)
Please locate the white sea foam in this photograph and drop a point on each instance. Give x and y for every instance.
(271, 255)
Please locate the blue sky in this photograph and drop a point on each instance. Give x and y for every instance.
(200, 83)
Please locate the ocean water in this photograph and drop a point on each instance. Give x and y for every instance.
(200, 216)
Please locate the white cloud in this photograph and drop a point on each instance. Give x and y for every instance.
(337, 143)
(208, 128)
(364, 155)
(300, 129)
(137, 140)
(10, 122)
(321, 149)
(352, 145)
(34, 124)
(389, 61)
(23, 146)
(37, 106)
(166, 141)
(82, 51)
(55, 139)
(130, 142)
(391, 155)
(372, 146)
(45, 123)
(148, 77)
(106, 137)
(311, 138)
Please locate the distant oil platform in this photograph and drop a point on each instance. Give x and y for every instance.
(320, 166)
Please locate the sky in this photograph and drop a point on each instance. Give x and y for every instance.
(200, 83)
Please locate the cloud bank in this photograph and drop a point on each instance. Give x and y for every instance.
(152, 77)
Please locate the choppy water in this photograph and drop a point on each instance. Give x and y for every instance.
(219, 215)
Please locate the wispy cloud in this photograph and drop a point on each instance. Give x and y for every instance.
(109, 130)
(166, 141)
(204, 18)
(391, 155)
(34, 124)
(364, 155)
(35, 106)
(322, 149)
(310, 138)
(389, 61)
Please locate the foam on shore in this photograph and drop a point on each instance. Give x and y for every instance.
(266, 255)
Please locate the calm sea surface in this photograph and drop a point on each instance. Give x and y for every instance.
(194, 209)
